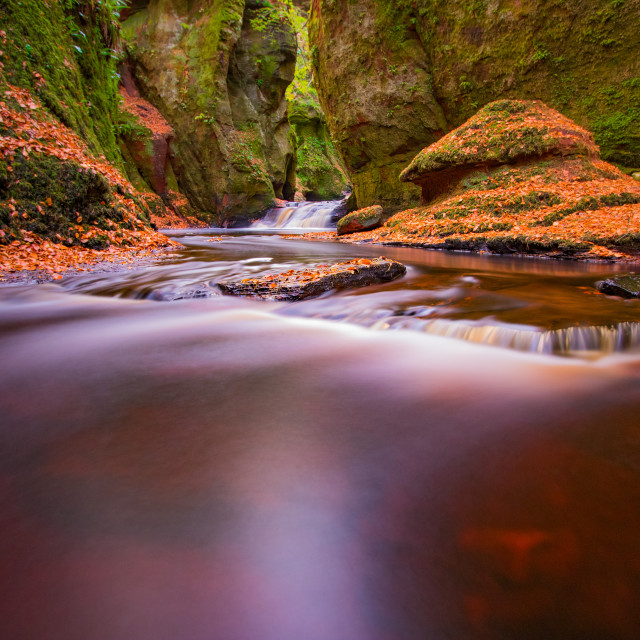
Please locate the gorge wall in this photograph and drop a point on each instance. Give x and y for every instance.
(218, 71)
(394, 76)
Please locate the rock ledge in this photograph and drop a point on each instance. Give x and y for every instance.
(296, 285)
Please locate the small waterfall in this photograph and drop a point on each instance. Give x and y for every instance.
(299, 215)
(598, 340)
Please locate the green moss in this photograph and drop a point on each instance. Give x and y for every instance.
(55, 199)
(501, 132)
(589, 203)
(65, 51)
(360, 220)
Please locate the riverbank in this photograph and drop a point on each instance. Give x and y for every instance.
(555, 248)
(35, 260)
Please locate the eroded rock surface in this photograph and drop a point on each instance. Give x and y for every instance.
(394, 76)
(296, 285)
(218, 72)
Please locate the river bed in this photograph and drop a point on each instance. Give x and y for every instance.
(451, 455)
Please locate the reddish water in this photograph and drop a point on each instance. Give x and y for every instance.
(230, 470)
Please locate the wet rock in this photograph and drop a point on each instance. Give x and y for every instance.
(360, 220)
(296, 285)
(182, 294)
(627, 286)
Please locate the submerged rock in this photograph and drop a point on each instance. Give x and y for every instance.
(518, 177)
(296, 285)
(360, 220)
(627, 286)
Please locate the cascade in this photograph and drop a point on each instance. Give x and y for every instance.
(299, 215)
(567, 341)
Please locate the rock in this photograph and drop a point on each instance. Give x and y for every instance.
(320, 173)
(146, 136)
(636, 175)
(518, 177)
(505, 132)
(361, 220)
(297, 285)
(393, 77)
(627, 286)
(218, 72)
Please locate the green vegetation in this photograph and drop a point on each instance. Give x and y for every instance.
(57, 200)
(65, 53)
(590, 203)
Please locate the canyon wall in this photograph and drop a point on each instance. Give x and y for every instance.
(394, 76)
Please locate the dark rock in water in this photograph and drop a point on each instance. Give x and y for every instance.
(296, 285)
(360, 220)
(627, 286)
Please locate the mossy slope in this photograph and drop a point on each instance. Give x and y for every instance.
(64, 52)
(519, 177)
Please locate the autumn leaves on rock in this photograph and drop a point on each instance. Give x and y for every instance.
(518, 177)
(295, 285)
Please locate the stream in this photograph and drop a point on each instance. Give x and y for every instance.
(455, 454)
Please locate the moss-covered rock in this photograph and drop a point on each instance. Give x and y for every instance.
(393, 77)
(297, 285)
(52, 187)
(503, 131)
(360, 220)
(218, 71)
(626, 286)
(319, 170)
(519, 178)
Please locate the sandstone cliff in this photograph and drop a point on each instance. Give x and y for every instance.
(394, 76)
(218, 71)
(319, 171)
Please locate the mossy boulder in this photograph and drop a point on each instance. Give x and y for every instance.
(503, 132)
(361, 220)
(625, 286)
(519, 178)
(218, 72)
(54, 199)
(393, 77)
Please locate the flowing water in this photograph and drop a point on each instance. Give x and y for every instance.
(455, 454)
(300, 215)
